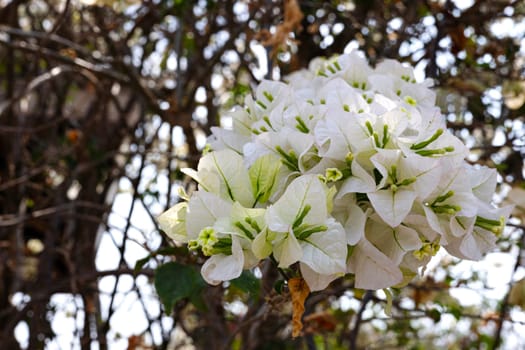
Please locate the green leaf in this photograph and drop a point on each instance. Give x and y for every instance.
(456, 311)
(240, 89)
(279, 286)
(140, 263)
(435, 315)
(487, 340)
(174, 282)
(248, 283)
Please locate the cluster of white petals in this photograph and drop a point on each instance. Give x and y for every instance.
(341, 170)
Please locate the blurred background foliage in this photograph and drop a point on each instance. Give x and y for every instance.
(103, 101)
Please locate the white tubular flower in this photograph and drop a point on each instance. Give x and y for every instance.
(291, 146)
(475, 236)
(403, 180)
(395, 80)
(357, 181)
(266, 107)
(354, 70)
(340, 96)
(224, 267)
(341, 133)
(302, 116)
(452, 197)
(225, 238)
(433, 140)
(241, 121)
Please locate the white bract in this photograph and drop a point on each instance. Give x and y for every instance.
(342, 170)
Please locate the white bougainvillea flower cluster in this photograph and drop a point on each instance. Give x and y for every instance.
(342, 169)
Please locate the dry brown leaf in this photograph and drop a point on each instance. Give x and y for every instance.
(292, 22)
(320, 322)
(68, 52)
(427, 290)
(459, 40)
(313, 28)
(517, 294)
(137, 342)
(299, 291)
(490, 316)
(73, 135)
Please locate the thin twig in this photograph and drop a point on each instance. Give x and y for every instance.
(79, 62)
(355, 331)
(505, 302)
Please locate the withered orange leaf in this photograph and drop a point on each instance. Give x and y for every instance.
(292, 23)
(320, 322)
(299, 291)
